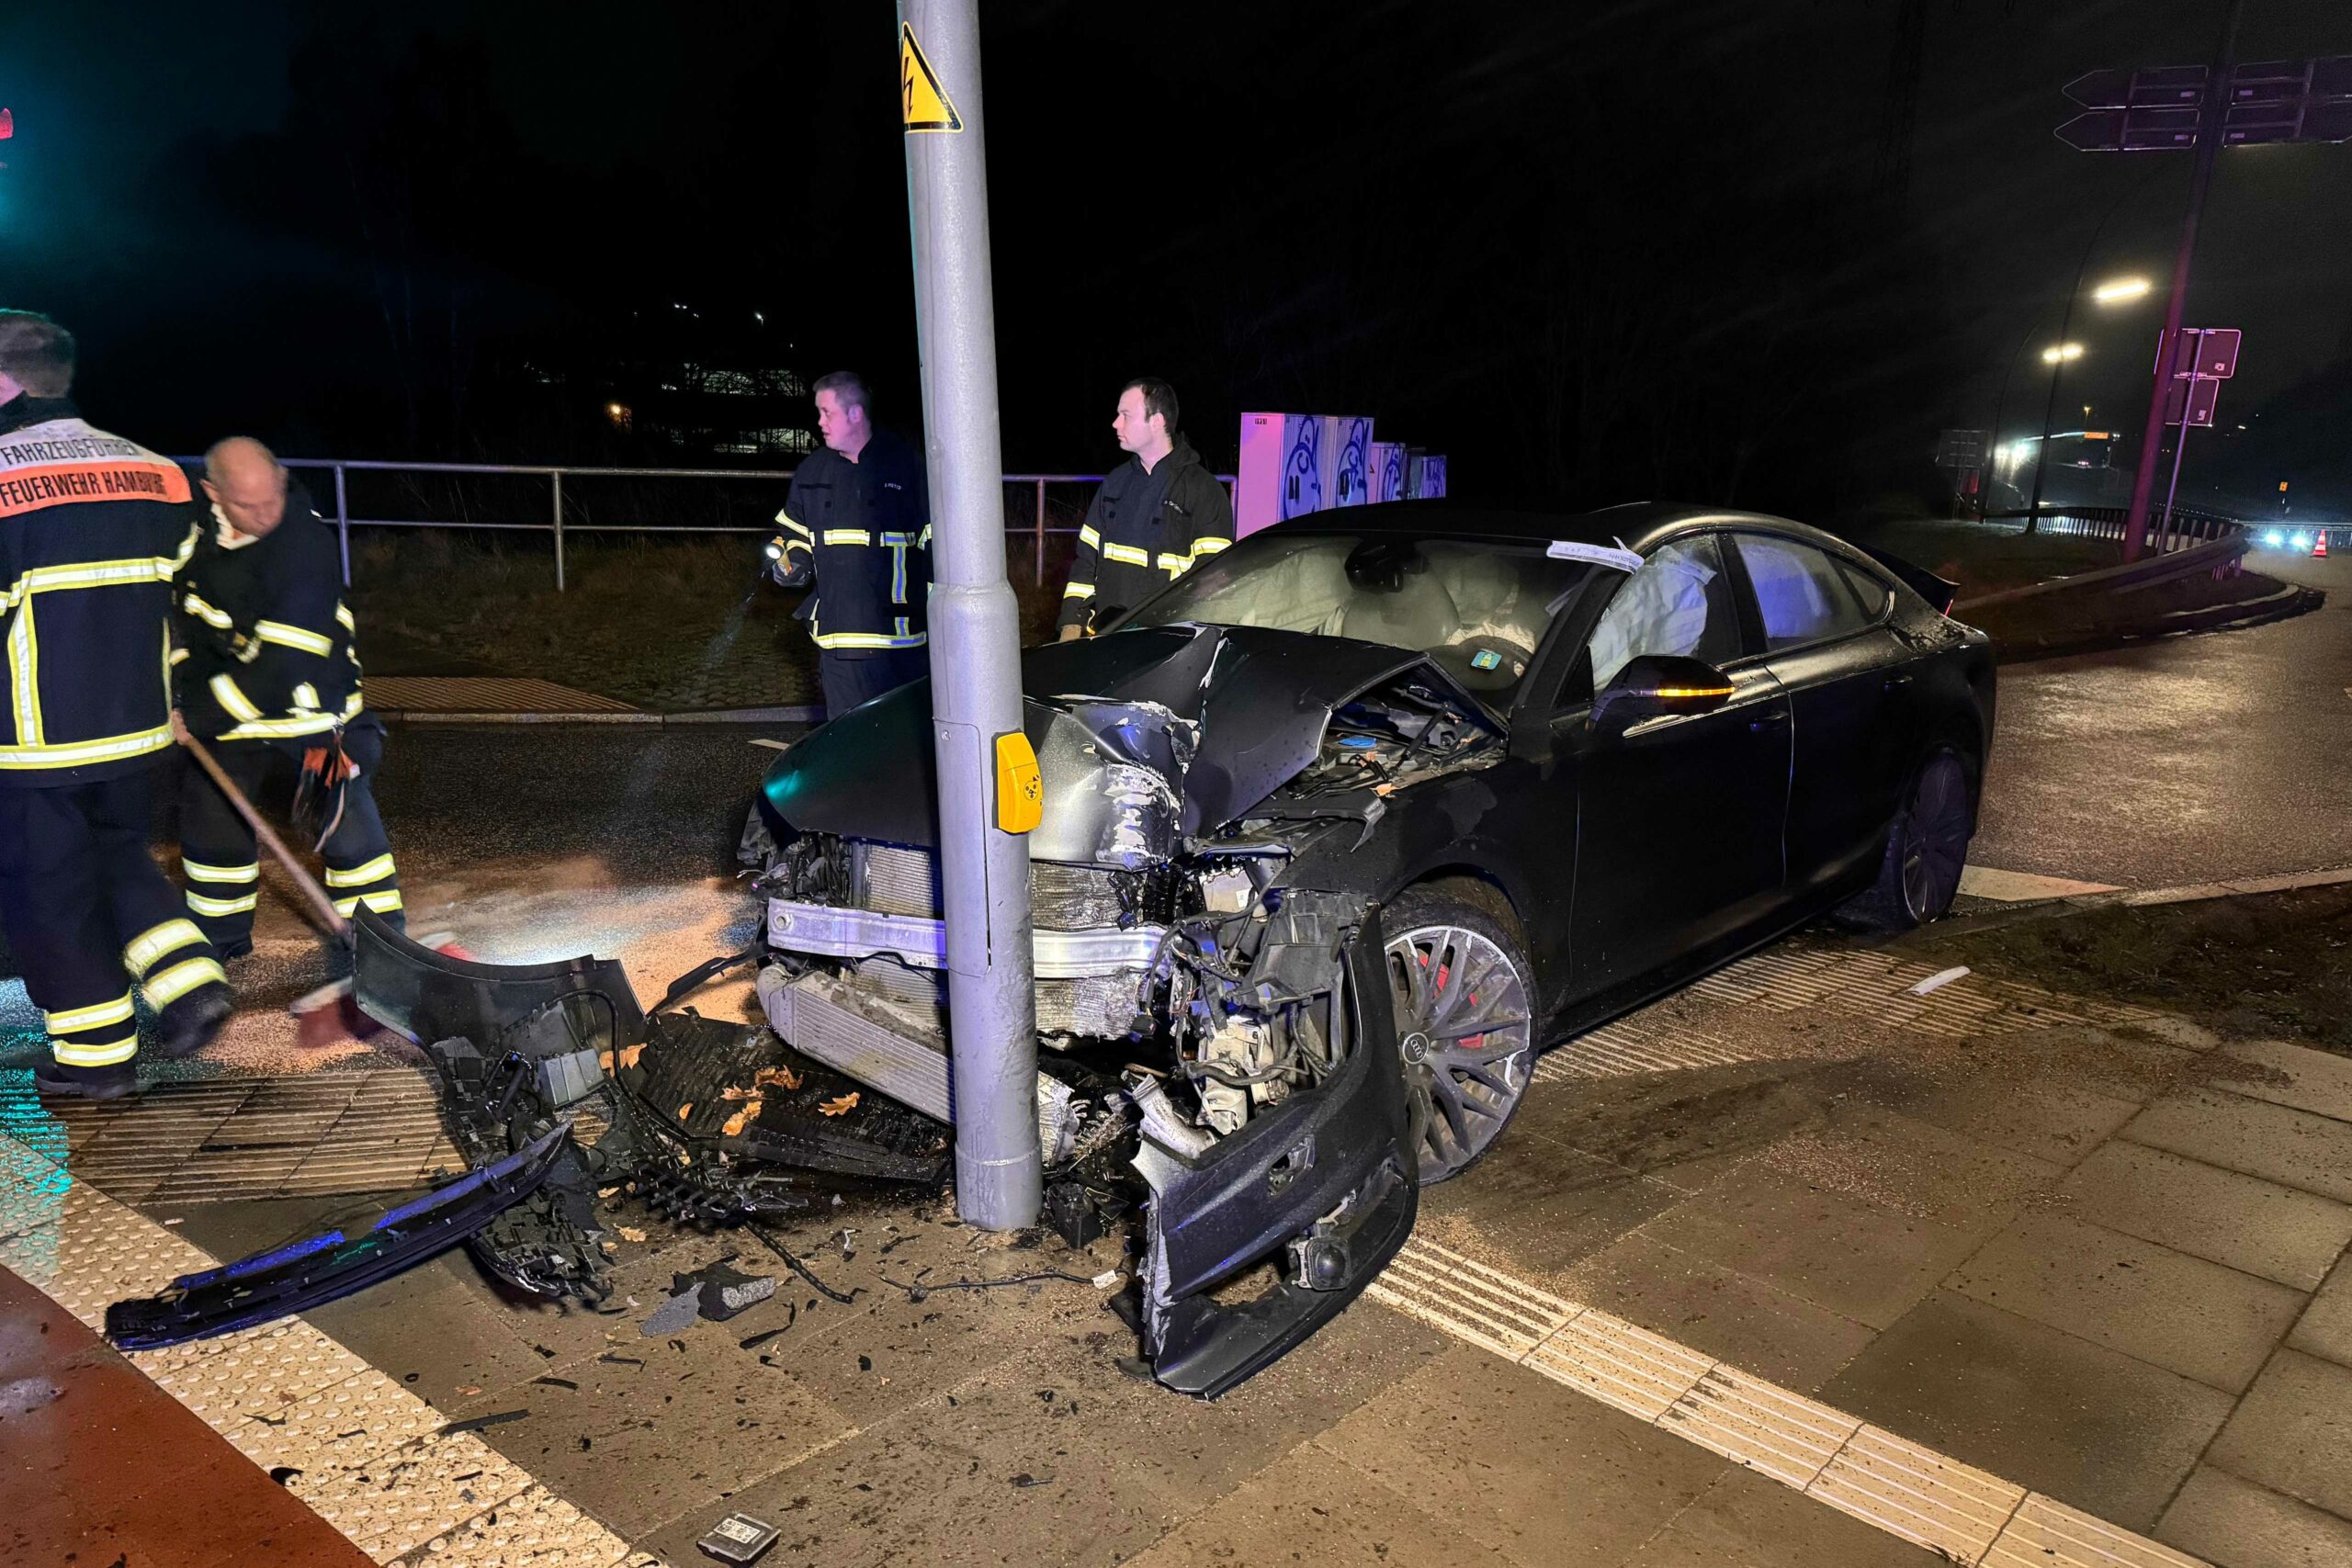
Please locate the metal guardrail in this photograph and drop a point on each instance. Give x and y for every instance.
(2220, 556)
(557, 527)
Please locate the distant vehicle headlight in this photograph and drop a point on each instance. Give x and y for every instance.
(2301, 541)
(2274, 538)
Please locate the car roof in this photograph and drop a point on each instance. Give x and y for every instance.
(1638, 524)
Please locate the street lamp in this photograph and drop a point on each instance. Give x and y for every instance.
(2115, 291)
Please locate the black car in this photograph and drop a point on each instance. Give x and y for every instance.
(1348, 823)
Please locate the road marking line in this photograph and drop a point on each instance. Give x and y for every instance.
(372, 1463)
(1973, 1517)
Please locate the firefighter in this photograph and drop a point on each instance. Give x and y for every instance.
(268, 680)
(1156, 516)
(93, 530)
(857, 524)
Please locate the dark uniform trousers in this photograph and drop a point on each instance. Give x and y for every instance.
(852, 679)
(88, 913)
(217, 849)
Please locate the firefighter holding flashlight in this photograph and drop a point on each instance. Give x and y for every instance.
(855, 529)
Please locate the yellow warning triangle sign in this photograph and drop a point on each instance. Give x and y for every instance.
(921, 99)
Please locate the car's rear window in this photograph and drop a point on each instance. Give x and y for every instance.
(1479, 609)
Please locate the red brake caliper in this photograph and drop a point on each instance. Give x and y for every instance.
(1443, 970)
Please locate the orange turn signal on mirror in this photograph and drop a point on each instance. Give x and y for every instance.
(1692, 691)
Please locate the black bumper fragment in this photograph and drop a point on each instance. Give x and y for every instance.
(1325, 1181)
(334, 1263)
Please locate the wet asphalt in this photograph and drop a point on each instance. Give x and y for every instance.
(655, 806)
(2193, 759)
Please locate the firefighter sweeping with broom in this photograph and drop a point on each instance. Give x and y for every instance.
(268, 687)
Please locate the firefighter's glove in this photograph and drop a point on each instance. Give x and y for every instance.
(318, 793)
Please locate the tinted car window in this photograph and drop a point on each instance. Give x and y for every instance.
(1802, 594)
(1871, 593)
(1680, 603)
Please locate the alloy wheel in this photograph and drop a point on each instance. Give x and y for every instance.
(1936, 831)
(1462, 1026)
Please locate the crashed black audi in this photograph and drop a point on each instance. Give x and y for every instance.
(1345, 824)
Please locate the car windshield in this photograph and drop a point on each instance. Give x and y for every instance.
(1478, 609)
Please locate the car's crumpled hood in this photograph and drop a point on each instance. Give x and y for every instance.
(1140, 735)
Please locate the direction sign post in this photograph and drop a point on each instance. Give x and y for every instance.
(2170, 107)
(2203, 357)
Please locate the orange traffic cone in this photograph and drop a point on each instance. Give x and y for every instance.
(2319, 551)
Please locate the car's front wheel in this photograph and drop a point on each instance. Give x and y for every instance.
(1459, 977)
(1927, 847)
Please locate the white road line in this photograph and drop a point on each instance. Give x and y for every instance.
(1973, 1517)
(367, 1453)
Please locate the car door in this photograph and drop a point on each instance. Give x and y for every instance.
(1678, 825)
(1824, 621)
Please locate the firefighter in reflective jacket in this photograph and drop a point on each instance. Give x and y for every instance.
(93, 530)
(858, 523)
(269, 682)
(1157, 515)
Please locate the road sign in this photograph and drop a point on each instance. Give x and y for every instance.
(1960, 449)
(2130, 130)
(2203, 396)
(2161, 109)
(2204, 354)
(2157, 87)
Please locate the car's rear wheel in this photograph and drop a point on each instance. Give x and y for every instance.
(1927, 848)
(1459, 977)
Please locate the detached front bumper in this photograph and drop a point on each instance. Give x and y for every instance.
(1325, 1183)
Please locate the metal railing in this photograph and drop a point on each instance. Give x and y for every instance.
(1036, 528)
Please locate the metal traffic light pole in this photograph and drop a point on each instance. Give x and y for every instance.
(2211, 127)
(975, 626)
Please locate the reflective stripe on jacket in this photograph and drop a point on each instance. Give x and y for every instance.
(93, 530)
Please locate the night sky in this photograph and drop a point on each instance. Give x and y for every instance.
(1697, 248)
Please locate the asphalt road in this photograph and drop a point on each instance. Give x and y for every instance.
(2198, 758)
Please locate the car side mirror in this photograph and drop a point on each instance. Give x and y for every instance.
(1656, 685)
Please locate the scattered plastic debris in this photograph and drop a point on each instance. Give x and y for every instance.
(840, 1107)
(1939, 980)
(479, 1422)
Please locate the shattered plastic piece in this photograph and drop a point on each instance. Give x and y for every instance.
(733, 1126)
(726, 1291)
(672, 1315)
(1107, 1279)
(737, 1537)
(840, 1107)
(628, 1055)
(1938, 981)
(780, 1077)
(479, 1422)
(630, 1233)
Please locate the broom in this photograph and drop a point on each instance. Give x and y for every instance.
(329, 1015)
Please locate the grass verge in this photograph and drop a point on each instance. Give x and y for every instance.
(666, 625)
